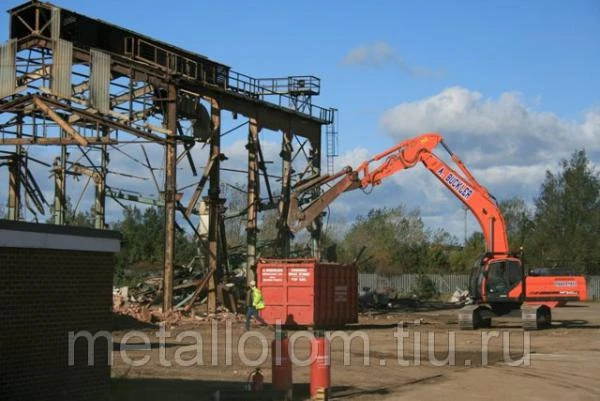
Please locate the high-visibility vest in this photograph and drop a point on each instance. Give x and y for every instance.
(257, 299)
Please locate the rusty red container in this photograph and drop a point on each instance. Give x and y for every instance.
(281, 364)
(320, 366)
(306, 292)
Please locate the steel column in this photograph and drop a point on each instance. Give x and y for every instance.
(253, 199)
(169, 197)
(214, 202)
(14, 170)
(14, 186)
(317, 226)
(100, 199)
(60, 186)
(283, 231)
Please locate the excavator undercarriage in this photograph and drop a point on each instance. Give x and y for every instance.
(533, 317)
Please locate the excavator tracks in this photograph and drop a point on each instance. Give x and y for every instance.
(533, 317)
(472, 317)
(536, 317)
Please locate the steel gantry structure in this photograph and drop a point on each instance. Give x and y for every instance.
(85, 85)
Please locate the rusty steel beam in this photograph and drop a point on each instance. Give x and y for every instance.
(253, 199)
(14, 187)
(81, 87)
(99, 178)
(214, 202)
(60, 187)
(100, 204)
(199, 287)
(283, 231)
(14, 168)
(33, 76)
(200, 187)
(90, 116)
(170, 200)
(17, 106)
(129, 96)
(13, 105)
(53, 141)
(61, 123)
(317, 227)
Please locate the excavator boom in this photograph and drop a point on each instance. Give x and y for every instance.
(403, 156)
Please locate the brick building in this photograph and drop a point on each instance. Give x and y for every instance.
(55, 280)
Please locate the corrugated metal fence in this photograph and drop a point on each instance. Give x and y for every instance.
(446, 283)
(594, 288)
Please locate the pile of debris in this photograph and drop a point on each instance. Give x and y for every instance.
(384, 298)
(142, 301)
(149, 290)
(460, 297)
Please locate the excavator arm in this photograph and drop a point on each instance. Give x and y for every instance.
(494, 287)
(403, 156)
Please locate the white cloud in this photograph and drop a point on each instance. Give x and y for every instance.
(490, 131)
(352, 158)
(380, 53)
(507, 145)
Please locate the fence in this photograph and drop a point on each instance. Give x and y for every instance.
(445, 283)
(594, 288)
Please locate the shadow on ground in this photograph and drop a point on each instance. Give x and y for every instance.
(126, 389)
(125, 322)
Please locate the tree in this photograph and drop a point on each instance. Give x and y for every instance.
(438, 252)
(395, 241)
(567, 217)
(463, 260)
(518, 219)
(235, 227)
(143, 241)
(73, 217)
(377, 233)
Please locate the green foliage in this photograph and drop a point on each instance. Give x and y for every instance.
(396, 241)
(425, 288)
(567, 217)
(462, 259)
(563, 230)
(519, 221)
(73, 217)
(143, 242)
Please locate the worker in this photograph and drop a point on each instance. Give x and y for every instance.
(254, 303)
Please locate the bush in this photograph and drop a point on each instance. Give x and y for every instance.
(425, 288)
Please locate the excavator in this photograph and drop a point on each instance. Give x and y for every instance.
(498, 284)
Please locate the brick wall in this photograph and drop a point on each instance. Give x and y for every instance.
(45, 294)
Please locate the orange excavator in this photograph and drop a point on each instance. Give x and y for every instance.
(498, 284)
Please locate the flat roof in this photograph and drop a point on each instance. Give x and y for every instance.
(19, 234)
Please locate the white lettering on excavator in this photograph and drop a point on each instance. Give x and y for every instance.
(460, 187)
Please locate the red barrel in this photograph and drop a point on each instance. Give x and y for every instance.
(320, 365)
(257, 381)
(281, 364)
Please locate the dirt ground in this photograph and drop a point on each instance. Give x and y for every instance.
(560, 363)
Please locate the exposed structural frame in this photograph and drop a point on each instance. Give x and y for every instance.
(74, 82)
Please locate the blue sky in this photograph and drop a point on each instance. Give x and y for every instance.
(513, 85)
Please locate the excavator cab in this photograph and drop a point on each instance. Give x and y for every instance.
(496, 280)
(503, 280)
